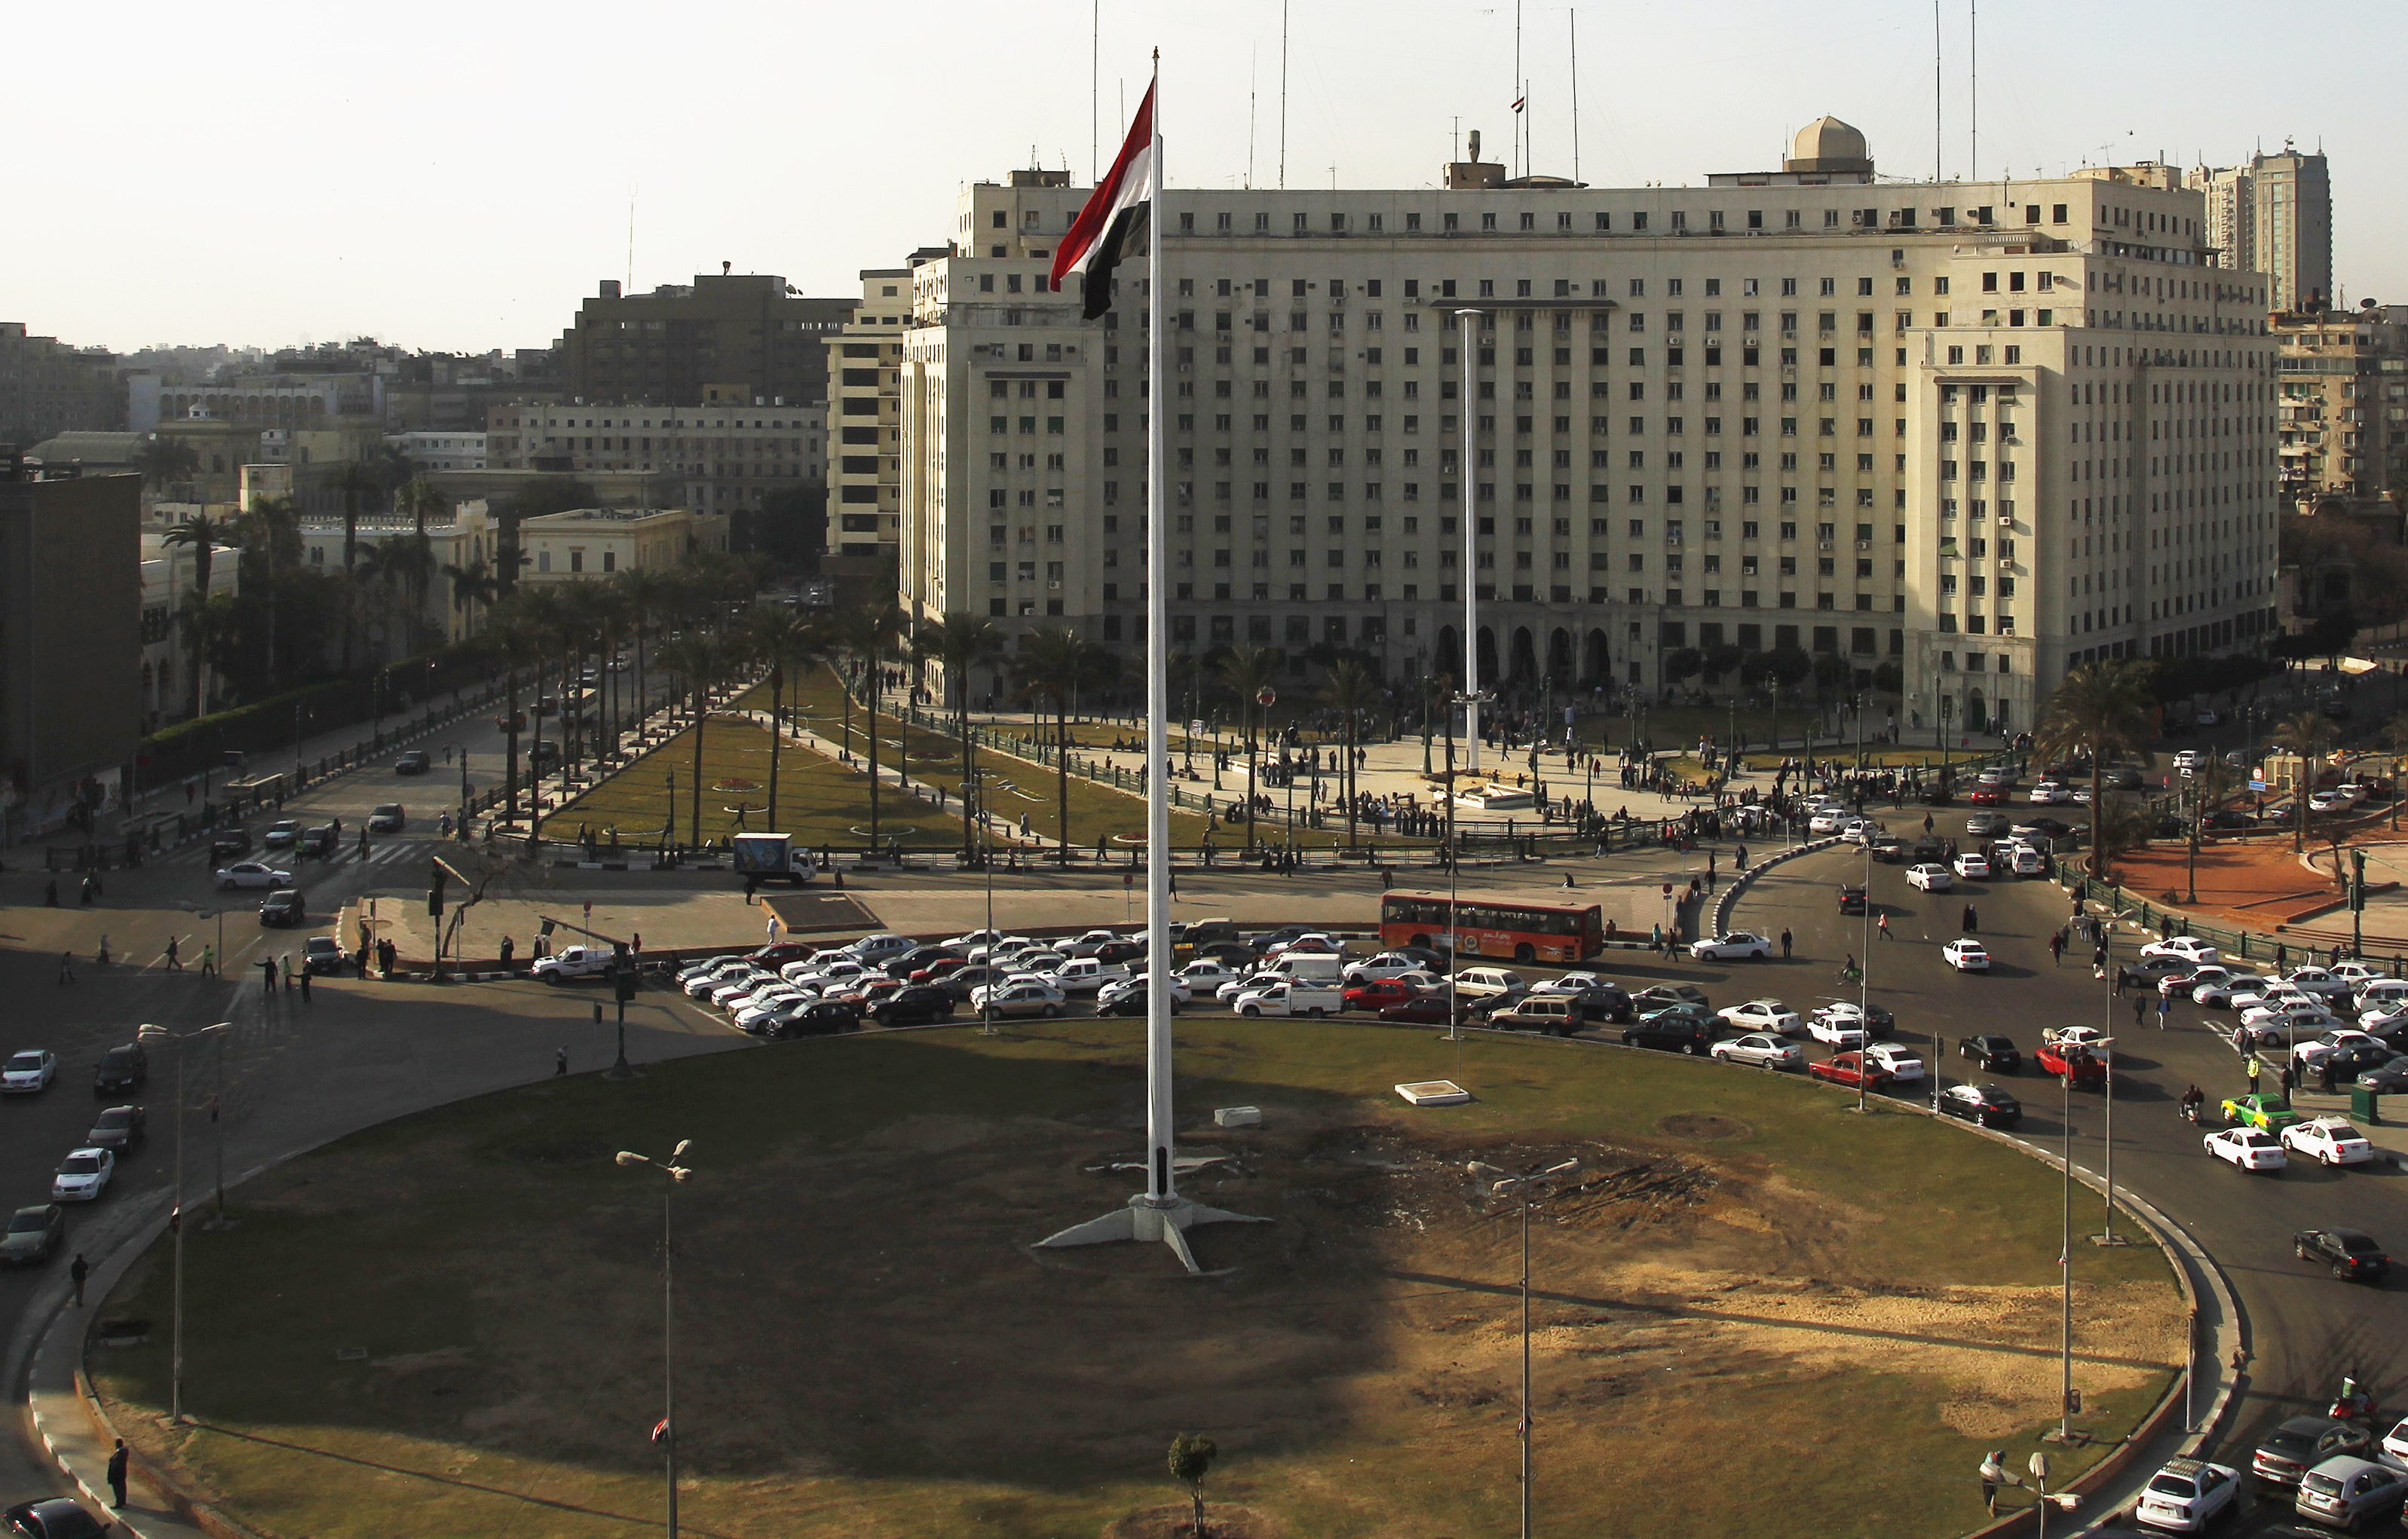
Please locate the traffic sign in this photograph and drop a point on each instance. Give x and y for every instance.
(1266, 696)
(1668, 890)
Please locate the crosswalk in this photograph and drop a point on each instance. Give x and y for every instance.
(380, 852)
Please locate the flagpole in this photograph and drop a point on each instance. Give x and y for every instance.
(1159, 1127)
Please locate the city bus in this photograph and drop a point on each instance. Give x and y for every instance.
(1493, 927)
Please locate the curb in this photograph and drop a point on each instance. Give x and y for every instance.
(1745, 880)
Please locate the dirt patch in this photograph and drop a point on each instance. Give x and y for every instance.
(1178, 1523)
(1703, 1125)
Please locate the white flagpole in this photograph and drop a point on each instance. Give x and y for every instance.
(1158, 1124)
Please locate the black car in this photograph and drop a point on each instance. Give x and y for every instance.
(34, 1234)
(1234, 954)
(2228, 818)
(1682, 1029)
(820, 1018)
(2124, 777)
(1283, 935)
(1851, 898)
(318, 842)
(1889, 849)
(284, 908)
(54, 1517)
(914, 1005)
(2051, 828)
(1119, 952)
(122, 1068)
(1603, 1001)
(1660, 996)
(1985, 1106)
(229, 842)
(1929, 851)
(387, 818)
(413, 763)
(2351, 1253)
(2390, 1079)
(918, 957)
(1428, 958)
(119, 1129)
(1995, 1053)
(2347, 1064)
(2304, 1442)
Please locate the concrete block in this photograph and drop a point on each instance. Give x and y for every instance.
(1237, 1117)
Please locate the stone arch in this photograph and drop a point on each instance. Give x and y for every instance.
(1488, 658)
(1448, 664)
(1977, 716)
(1596, 664)
(1559, 655)
(1524, 665)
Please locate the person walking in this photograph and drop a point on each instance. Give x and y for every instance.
(209, 961)
(2325, 1074)
(66, 967)
(2165, 1010)
(2056, 948)
(304, 983)
(2290, 1078)
(1972, 921)
(78, 1270)
(559, 1063)
(175, 963)
(2140, 1007)
(118, 1460)
(1882, 924)
(267, 975)
(1785, 942)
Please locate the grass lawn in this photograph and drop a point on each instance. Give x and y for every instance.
(449, 1324)
(819, 802)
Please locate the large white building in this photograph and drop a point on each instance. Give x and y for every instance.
(865, 442)
(724, 456)
(1988, 430)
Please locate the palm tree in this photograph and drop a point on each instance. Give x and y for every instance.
(2395, 738)
(2210, 784)
(1248, 672)
(202, 534)
(357, 481)
(422, 499)
(474, 586)
(165, 461)
(516, 637)
(2311, 736)
(1349, 690)
(645, 593)
(959, 643)
(702, 661)
(2101, 708)
(868, 634)
(784, 638)
(1046, 669)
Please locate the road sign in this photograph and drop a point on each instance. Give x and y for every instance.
(1668, 890)
(1266, 696)
(1196, 729)
(2187, 774)
(2256, 785)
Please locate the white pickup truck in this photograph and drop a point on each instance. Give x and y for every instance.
(1290, 997)
(576, 962)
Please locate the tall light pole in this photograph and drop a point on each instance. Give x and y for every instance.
(2107, 1235)
(666, 1432)
(1500, 1184)
(2065, 1266)
(152, 1035)
(1464, 320)
(463, 783)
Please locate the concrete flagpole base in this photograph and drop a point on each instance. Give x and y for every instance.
(1166, 1219)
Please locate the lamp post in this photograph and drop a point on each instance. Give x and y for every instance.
(1501, 1184)
(463, 748)
(2107, 1235)
(2065, 1265)
(151, 1034)
(974, 789)
(666, 1432)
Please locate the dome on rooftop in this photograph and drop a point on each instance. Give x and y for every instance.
(1827, 143)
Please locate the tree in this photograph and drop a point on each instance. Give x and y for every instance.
(1349, 690)
(2210, 784)
(1721, 658)
(868, 635)
(2100, 709)
(422, 499)
(702, 661)
(1683, 663)
(785, 639)
(958, 644)
(1191, 1460)
(474, 588)
(163, 461)
(1047, 668)
(515, 637)
(2311, 736)
(201, 534)
(1247, 672)
(2395, 738)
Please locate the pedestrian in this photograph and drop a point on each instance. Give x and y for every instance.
(209, 961)
(118, 1459)
(1785, 942)
(2325, 1074)
(509, 949)
(77, 1270)
(2252, 1066)
(1882, 924)
(287, 971)
(1994, 1475)
(66, 967)
(2290, 1078)
(51, 893)
(1972, 921)
(1741, 859)
(2139, 1006)
(559, 1063)
(267, 975)
(2165, 1009)
(2056, 948)
(364, 841)
(304, 983)
(175, 963)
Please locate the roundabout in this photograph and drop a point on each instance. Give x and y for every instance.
(869, 1344)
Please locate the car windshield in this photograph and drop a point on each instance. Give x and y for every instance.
(388, 810)
(30, 1220)
(80, 1164)
(2173, 1484)
(117, 1058)
(24, 1063)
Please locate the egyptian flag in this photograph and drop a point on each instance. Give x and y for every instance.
(1113, 223)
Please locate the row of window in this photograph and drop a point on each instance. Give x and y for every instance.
(1601, 222)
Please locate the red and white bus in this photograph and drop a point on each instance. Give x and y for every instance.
(1485, 926)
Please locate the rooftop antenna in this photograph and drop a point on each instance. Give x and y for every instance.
(1282, 165)
(1521, 117)
(1095, 91)
(1252, 56)
(1575, 27)
(1973, 105)
(1938, 139)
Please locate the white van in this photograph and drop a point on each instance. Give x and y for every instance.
(1310, 968)
(1487, 982)
(1290, 997)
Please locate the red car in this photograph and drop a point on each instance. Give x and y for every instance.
(2077, 1062)
(1849, 1069)
(1985, 797)
(943, 967)
(1377, 995)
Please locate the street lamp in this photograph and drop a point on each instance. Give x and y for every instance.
(153, 1034)
(1501, 1184)
(463, 748)
(974, 789)
(667, 1432)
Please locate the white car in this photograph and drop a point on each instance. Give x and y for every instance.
(1966, 955)
(1084, 976)
(741, 986)
(1858, 830)
(1739, 946)
(574, 962)
(2316, 980)
(2191, 759)
(29, 1071)
(1902, 1063)
(1241, 983)
(2330, 801)
(2220, 993)
(2395, 1443)
(252, 874)
(1311, 944)
(2306, 1055)
(1757, 1049)
(2263, 991)
(2357, 975)
(1019, 996)
(1088, 943)
(1763, 1015)
(1827, 820)
(2079, 796)
(782, 1000)
(83, 1175)
(2190, 948)
(2025, 860)
(976, 937)
(2291, 1016)
(701, 984)
(1124, 989)
(1929, 878)
(1836, 1030)
(2186, 1495)
(2048, 793)
(2251, 1149)
(775, 1017)
(1206, 973)
(1388, 964)
(2329, 1141)
(1568, 983)
(1974, 867)
(879, 950)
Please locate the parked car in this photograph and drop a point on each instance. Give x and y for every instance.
(83, 1175)
(2351, 1253)
(1682, 1029)
(1995, 1053)
(284, 908)
(2302, 1443)
(914, 1005)
(2185, 1495)
(1759, 1048)
(125, 1067)
(1985, 1106)
(2249, 1149)
(820, 1018)
(1851, 1070)
(1024, 996)
(1127, 997)
(118, 1130)
(34, 1234)
(2345, 1491)
(53, 1517)
(1739, 946)
(28, 1071)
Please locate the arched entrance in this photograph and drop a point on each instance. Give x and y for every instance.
(1525, 667)
(1559, 655)
(1488, 658)
(1596, 666)
(1448, 664)
(1977, 718)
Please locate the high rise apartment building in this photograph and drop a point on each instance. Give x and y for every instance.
(865, 360)
(747, 334)
(1988, 431)
(49, 387)
(2343, 405)
(2274, 216)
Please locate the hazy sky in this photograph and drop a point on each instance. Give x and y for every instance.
(457, 176)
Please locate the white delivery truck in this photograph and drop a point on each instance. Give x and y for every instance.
(773, 858)
(1309, 968)
(1291, 997)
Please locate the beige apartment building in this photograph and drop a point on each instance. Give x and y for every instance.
(2274, 216)
(596, 541)
(864, 372)
(1986, 429)
(2344, 423)
(721, 457)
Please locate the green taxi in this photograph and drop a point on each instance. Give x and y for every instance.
(2261, 1109)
